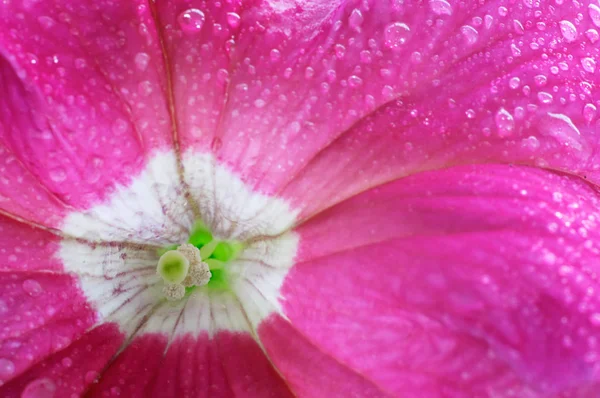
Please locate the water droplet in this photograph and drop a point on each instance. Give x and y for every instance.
(340, 51)
(39, 388)
(518, 27)
(46, 22)
(568, 30)
(514, 83)
(561, 127)
(396, 34)
(32, 287)
(588, 64)
(356, 19)
(365, 57)
(354, 81)
(141, 61)
(589, 112)
(592, 35)
(191, 21)
(309, 72)
(470, 34)
(416, 57)
(545, 98)
(275, 55)
(7, 368)
(594, 12)
(120, 126)
(504, 122)
(233, 20)
(595, 319)
(502, 11)
(91, 376)
(259, 103)
(515, 50)
(66, 362)
(440, 7)
(540, 80)
(145, 88)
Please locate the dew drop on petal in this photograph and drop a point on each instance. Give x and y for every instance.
(39, 388)
(356, 19)
(545, 98)
(32, 287)
(354, 81)
(120, 126)
(191, 21)
(589, 65)
(540, 80)
(470, 34)
(595, 319)
(274, 55)
(589, 112)
(531, 143)
(7, 368)
(396, 34)
(518, 26)
(561, 128)
(568, 30)
(594, 12)
(514, 83)
(440, 7)
(233, 20)
(91, 376)
(66, 362)
(592, 35)
(141, 61)
(504, 122)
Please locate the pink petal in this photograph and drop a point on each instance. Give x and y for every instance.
(82, 101)
(265, 87)
(227, 365)
(453, 101)
(42, 309)
(71, 371)
(470, 281)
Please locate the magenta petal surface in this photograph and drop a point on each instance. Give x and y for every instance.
(470, 281)
(476, 83)
(83, 99)
(226, 365)
(70, 372)
(42, 309)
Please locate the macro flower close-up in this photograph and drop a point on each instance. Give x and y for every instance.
(300, 198)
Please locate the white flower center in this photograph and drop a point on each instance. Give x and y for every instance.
(117, 252)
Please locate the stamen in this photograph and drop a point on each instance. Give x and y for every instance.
(190, 252)
(198, 274)
(174, 291)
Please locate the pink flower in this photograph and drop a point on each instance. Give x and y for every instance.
(404, 195)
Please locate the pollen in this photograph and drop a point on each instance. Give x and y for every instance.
(199, 274)
(174, 291)
(190, 252)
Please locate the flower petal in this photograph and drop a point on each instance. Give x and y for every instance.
(324, 100)
(265, 86)
(42, 308)
(471, 281)
(71, 371)
(83, 100)
(228, 365)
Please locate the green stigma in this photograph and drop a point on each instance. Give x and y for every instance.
(173, 267)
